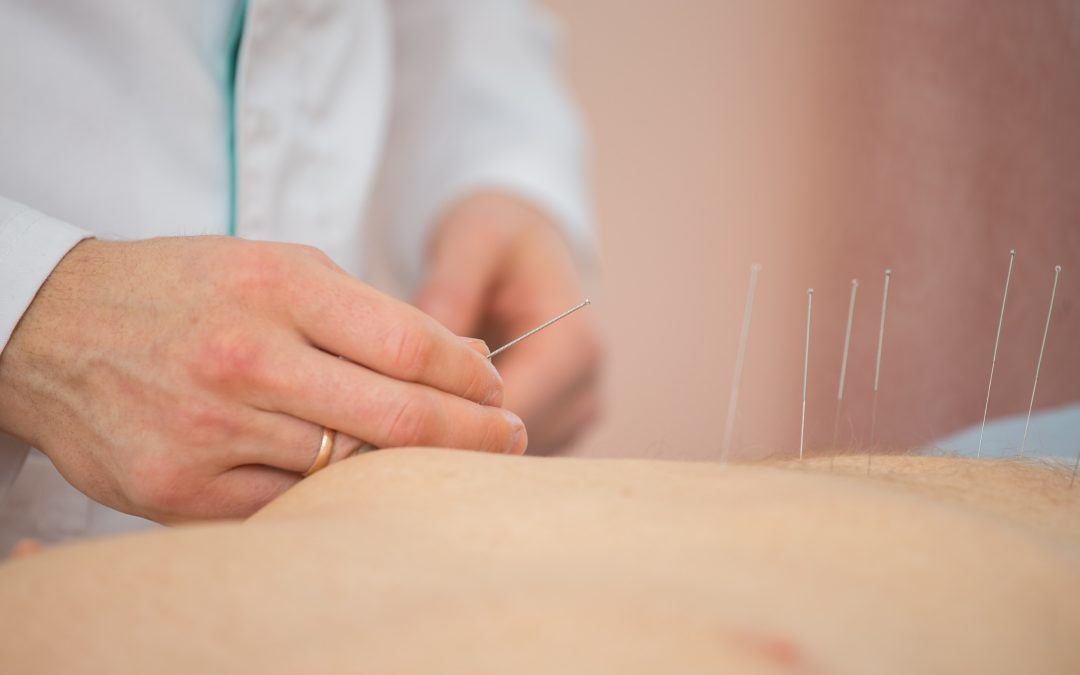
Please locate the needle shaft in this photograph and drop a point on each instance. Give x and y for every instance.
(993, 360)
(539, 328)
(1042, 350)
(740, 357)
(806, 371)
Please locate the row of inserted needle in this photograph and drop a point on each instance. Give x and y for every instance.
(755, 271)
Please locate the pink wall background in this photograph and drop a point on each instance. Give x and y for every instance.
(828, 140)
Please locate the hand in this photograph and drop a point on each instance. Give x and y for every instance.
(191, 377)
(498, 268)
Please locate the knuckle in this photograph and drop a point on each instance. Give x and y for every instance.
(251, 270)
(410, 422)
(227, 357)
(411, 351)
(316, 255)
(203, 425)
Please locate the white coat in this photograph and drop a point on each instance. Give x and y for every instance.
(269, 119)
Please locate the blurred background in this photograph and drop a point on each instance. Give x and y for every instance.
(828, 141)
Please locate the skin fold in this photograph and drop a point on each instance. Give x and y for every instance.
(424, 560)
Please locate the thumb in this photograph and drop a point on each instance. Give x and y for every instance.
(463, 269)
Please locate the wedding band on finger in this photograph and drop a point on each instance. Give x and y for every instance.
(326, 449)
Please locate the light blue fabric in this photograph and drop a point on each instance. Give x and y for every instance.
(1053, 433)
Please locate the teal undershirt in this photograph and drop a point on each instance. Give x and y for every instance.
(230, 95)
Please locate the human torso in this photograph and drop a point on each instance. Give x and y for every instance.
(425, 560)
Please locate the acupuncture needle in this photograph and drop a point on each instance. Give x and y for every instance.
(877, 367)
(843, 369)
(993, 360)
(1042, 349)
(740, 357)
(367, 447)
(806, 370)
(539, 328)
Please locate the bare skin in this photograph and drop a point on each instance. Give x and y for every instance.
(431, 561)
(191, 377)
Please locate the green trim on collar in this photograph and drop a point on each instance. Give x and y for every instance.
(230, 94)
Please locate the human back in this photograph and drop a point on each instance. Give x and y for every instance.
(426, 560)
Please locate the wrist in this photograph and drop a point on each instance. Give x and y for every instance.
(30, 355)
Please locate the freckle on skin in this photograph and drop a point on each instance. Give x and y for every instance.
(25, 547)
(776, 650)
(781, 651)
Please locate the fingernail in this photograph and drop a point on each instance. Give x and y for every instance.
(519, 438)
(495, 394)
(494, 397)
(478, 345)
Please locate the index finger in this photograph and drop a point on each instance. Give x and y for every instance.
(348, 318)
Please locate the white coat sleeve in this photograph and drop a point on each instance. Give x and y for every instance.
(31, 244)
(478, 103)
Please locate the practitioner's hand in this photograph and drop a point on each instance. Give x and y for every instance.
(498, 268)
(191, 377)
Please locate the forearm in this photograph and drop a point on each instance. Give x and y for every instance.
(31, 246)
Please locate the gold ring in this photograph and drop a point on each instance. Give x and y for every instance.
(326, 448)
